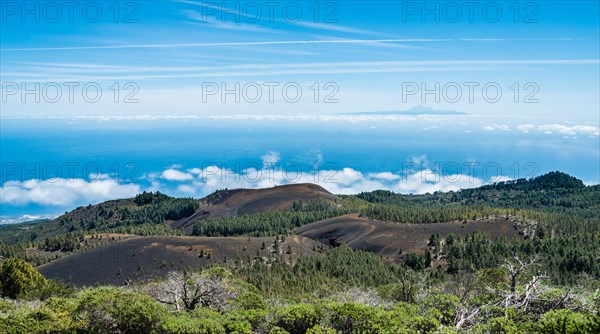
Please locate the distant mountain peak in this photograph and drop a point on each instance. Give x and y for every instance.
(422, 108)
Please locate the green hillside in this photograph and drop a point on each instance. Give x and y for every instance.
(542, 275)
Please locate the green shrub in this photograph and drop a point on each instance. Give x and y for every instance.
(18, 278)
(256, 318)
(563, 322)
(7, 305)
(297, 319)
(250, 301)
(18, 322)
(500, 325)
(185, 324)
(238, 327)
(445, 304)
(322, 330)
(404, 312)
(423, 324)
(278, 330)
(354, 317)
(44, 318)
(107, 309)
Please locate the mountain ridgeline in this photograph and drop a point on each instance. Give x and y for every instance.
(551, 215)
(510, 257)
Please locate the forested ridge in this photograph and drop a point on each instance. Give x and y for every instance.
(545, 281)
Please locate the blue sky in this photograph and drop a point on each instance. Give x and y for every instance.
(179, 88)
(369, 50)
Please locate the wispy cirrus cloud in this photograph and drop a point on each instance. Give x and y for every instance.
(251, 43)
(335, 27)
(221, 44)
(210, 10)
(213, 23)
(98, 72)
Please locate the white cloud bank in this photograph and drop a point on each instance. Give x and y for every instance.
(338, 181)
(566, 130)
(175, 175)
(569, 130)
(199, 182)
(64, 192)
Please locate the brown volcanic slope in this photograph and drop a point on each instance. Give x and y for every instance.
(143, 258)
(249, 201)
(387, 238)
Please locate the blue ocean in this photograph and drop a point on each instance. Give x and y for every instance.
(196, 155)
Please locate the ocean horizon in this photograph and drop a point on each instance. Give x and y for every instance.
(53, 164)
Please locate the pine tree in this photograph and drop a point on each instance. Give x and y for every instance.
(427, 259)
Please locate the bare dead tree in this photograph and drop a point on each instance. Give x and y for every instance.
(186, 290)
(168, 291)
(525, 292)
(562, 300)
(531, 292)
(465, 315)
(532, 289)
(516, 267)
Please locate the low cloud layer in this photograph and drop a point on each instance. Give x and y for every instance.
(197, 182)
(550, 129)
(64, 192)
(175, 175)
(338, 181)
(573, 130)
